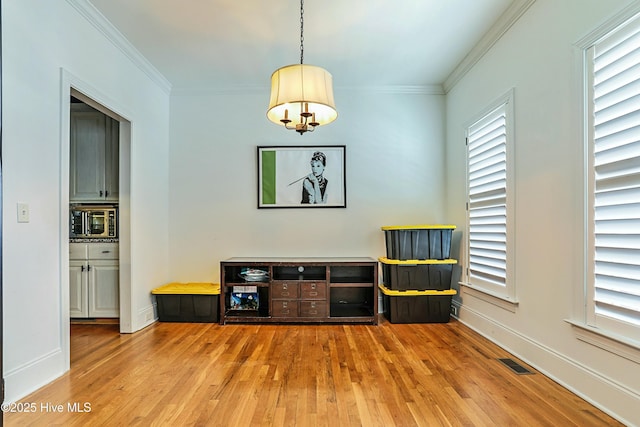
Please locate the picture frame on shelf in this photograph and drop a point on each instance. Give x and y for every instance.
(302, 176)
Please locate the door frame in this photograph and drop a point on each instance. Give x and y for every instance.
(72, 85)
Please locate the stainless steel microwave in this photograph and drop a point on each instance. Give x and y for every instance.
(93, 221)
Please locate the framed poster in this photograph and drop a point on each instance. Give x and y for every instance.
(302, 177)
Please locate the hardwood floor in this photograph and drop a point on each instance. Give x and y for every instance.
(184, 374)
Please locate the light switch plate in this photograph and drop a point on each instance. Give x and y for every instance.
(23, 212)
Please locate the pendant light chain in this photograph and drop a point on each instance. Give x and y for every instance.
(301, 31)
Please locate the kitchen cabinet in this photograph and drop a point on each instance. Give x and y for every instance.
(301, 290)
(94, 280)
(93, 162)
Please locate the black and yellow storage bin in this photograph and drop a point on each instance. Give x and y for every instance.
(429, 306)
(405, 242)
(188, 302)
(419, 275)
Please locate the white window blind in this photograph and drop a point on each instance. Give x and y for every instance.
(615, 181)
(487, 201)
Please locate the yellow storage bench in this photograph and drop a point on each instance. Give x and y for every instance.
(188, 302)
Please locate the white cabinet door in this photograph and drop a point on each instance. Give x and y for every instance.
(87, 161)
(104, 297)
(78, 301)
(94, 160)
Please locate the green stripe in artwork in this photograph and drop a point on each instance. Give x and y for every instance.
(268, 177)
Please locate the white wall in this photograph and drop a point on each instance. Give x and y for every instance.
(538, 59)
(395, 175)
(41, 38)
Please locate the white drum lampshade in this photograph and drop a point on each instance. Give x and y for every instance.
(301, 88)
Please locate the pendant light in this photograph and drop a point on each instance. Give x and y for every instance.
(301, 95)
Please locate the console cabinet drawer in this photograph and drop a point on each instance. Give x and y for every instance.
(284, 308)
(284, 290)
(313, 309)
(313, 290)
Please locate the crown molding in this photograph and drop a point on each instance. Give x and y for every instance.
(502, 25)
(252, 88)
(218, 90)
(97, 19)
(434, 89)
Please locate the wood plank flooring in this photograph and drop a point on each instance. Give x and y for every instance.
(190, 374)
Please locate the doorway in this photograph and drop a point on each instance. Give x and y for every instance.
(94, 283)
(72, 86)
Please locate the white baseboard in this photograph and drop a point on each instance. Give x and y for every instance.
(146, 317)
(23, 380)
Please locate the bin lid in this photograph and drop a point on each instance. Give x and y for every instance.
(188, 289)
(415, 293)
(419, 227)
(386, 260)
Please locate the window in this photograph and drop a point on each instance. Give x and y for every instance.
(613, 184)
(489, 152)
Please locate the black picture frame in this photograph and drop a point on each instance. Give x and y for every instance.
(285, 176)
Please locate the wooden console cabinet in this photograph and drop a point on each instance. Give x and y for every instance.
(301, 290)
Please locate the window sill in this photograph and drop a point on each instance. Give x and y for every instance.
(498, 300)
(611, 342)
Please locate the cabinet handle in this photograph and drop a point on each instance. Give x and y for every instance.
(89, 267)
(101, 193)
(82, 268)
(106, 193)
(105, 252)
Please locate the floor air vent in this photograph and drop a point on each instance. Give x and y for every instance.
(516, 367)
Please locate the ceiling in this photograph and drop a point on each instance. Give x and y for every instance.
(239, 43)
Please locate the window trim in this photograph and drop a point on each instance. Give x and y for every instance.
(603, 338)
(506, 297)
(593, 318)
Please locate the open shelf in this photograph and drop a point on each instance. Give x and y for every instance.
(300, 272)
(352, 274)
(351, 301)
(350, 310)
